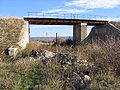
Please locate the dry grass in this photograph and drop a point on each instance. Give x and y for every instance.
(35, 75)
(117, 24)
(9, 31)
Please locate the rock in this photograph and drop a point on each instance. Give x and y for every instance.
(48, 59)
(117, 85)
(6, 51)
(42, 55)
(10, 51)
(47, 54)
(34, 53)
(81, 81)
(31, 58)
(64, 59)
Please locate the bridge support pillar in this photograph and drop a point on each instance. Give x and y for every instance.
(79, 32)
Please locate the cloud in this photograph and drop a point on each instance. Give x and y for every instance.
(57, 13)
(66, 11)
(110, 19)
(94, 3)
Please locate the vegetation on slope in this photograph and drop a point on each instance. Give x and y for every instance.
(117, 24)
(23, 74)
(20, 73)
(9, 31)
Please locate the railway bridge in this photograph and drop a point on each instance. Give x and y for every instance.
(79, 25)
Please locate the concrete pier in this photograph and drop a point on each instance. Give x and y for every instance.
(79, 32)
(79, 25)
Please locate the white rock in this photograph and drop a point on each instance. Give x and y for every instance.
(48, 54)
(12, 51)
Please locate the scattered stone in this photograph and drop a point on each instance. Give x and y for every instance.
(6, 51)
(34, 54)
(32, 58)
(42, 55)
(118, 85)
(48, 59)
(47, 54)
(81, 81)
(64, 59)
(10, 51)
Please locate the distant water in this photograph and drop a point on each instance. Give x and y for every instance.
(48, 38)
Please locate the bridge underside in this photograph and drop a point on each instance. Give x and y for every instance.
(55, 21)
(79, 25)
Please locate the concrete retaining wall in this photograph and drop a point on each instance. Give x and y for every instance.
(24, 36)
(102, 33)
(23, 40)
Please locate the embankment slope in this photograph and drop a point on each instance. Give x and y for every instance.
(12, 32)
(103, 33)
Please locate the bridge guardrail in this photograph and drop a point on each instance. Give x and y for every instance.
(72, 16)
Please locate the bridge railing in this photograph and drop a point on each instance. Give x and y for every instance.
(72, 16)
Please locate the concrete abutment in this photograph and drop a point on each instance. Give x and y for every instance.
(79, 32)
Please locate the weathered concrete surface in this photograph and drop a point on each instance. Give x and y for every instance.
(79, 32)
(22, 41)
(24, 36)
(102, 33)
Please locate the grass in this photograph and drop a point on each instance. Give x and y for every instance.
(117, 24)
(104, 82)
(23, 74)
(20, 73)
(9, 31)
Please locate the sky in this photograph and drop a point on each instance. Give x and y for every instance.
(20, 8)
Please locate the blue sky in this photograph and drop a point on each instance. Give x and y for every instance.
(20, 8)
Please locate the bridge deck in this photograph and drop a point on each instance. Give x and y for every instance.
(58, 21)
